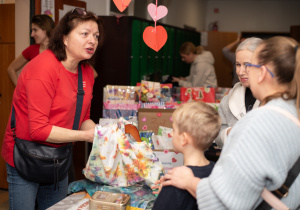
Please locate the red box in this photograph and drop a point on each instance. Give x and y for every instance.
(204, 94)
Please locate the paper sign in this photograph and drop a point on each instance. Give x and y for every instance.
(169, 159)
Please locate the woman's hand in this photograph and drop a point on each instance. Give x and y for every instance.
(175, 79)
(90, 135)
(183, 178)
(157, 187)
(178, 177)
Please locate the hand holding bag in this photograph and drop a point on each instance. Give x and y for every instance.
(41, 163)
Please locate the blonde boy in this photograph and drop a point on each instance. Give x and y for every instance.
(195, 126)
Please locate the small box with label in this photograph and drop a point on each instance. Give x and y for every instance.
(109, 200)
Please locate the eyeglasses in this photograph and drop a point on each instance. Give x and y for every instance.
(248, 65)
(82, 12)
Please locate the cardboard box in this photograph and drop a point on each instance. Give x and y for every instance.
(151, 119)
(169, 159)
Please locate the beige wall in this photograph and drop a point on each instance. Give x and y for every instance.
(250, 15)
(22, 25)
(246, 15)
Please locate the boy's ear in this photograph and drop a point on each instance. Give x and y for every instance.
(183, 139)
(186, 138)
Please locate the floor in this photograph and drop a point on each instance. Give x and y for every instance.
(4, 205)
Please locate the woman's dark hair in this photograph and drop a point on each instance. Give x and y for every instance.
(68, 22)
(44, 22)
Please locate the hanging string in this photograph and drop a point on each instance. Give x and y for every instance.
(155, 16)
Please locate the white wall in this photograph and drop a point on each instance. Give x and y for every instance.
(253, 15)
(180, 13)
(99, 7)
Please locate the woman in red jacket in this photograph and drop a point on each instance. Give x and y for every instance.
(45, 103)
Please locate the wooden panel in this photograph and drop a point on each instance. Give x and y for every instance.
(7, 52)
(295, 32)
(215, 43)
(7, 23)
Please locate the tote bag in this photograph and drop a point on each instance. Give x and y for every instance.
(118, 160)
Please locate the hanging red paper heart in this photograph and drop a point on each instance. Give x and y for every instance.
(155, 39)
(122, 4)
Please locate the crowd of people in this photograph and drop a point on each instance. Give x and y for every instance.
(260, 144)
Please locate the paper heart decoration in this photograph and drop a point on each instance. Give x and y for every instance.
(155, 39)
(122, 4)
(174, 160)
(144, 119)
(161, 11)
(158, 114)
(144, 127)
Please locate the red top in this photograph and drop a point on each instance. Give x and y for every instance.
(31, 52)
(46, 98)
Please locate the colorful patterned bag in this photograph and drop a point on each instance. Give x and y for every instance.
(119, 160)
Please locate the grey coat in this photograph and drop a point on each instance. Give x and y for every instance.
(232, 109)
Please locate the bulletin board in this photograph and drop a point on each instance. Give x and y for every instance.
(57, 8)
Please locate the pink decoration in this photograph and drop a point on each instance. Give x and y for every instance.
(155, 38)
(144, 119)
(144, 127)
(122, 4)
(157, 13)
(174, 160)
(158, 114)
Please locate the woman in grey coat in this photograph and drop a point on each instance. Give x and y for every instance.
(240, 99)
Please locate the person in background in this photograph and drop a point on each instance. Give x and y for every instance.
(264, 145)
(44, 101)
(195, 125)
(202, 71)
(41, 29)
(239, 100)
(227, 52)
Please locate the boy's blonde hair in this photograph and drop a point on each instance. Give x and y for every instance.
(200, 121)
